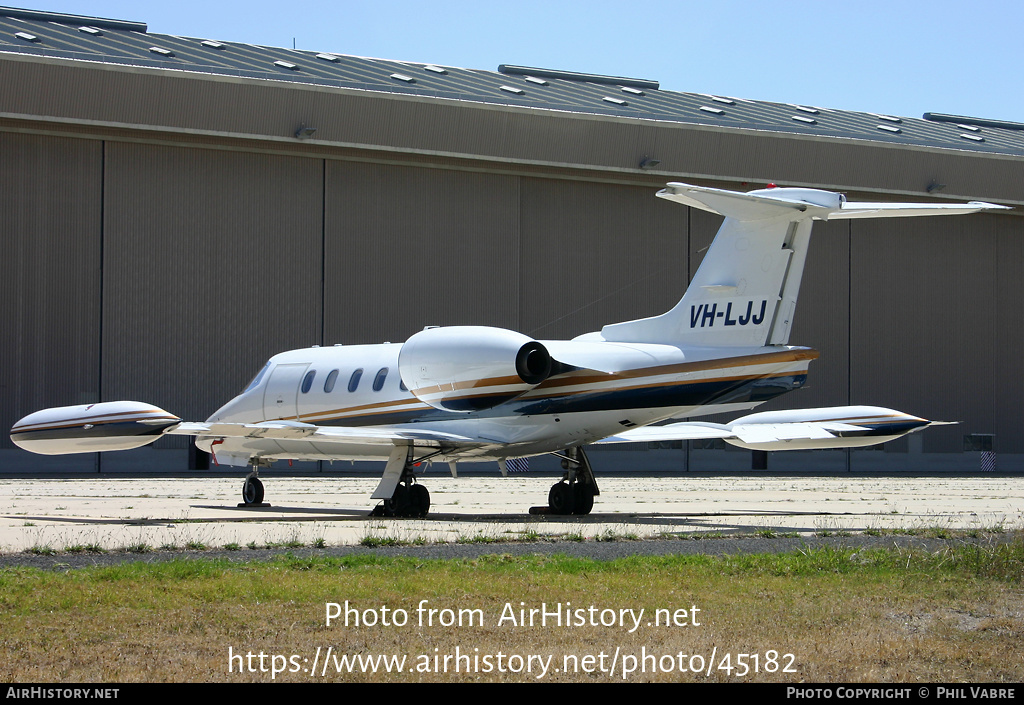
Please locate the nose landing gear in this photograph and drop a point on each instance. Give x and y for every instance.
(252, 488)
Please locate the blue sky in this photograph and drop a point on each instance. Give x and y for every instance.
(901, 58)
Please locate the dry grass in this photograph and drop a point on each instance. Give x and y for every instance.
(846, 617)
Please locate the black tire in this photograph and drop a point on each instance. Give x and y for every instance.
(398, 505)
(252, 491)
(419, 501)
(584, 500)
(561, 499)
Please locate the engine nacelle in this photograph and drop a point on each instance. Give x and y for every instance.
(468, 368)
(87, 428)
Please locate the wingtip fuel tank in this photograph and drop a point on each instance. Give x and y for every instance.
(111, 425)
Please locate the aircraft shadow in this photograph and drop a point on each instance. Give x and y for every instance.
(671, 522)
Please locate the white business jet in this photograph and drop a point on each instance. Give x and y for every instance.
(474, 394)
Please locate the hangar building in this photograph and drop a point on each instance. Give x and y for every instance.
(175, 210)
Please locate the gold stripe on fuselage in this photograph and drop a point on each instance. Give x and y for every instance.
(549, 388)
(469, 384)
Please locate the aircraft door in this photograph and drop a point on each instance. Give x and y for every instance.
(281, 397)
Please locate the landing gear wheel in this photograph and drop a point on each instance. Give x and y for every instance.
(252, 491)
(561, 498)
(398, 505)
(584, 497)
(408, 499)
(575, 493)
(419, 501)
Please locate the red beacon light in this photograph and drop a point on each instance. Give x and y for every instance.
(772, 185)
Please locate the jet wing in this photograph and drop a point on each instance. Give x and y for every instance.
(775, 432)
(296, 430)
(685, 431)
(122, 425)
(751, 434)
(803, 429)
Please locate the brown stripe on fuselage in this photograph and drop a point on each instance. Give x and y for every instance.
(634, 387)
(469, 384)
(362, 407)
(585, 376)
(581, 377)
(653, 385)
(589, 377)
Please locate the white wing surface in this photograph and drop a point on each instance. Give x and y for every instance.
(296, 430)
(832, 427)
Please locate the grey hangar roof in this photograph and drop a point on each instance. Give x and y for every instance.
(126, 43)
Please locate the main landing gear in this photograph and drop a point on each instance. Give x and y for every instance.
(574, 493)
(410, 499)
(407, 498)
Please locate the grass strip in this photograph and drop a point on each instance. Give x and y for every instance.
(866, 615)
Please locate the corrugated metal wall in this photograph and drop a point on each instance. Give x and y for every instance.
(596, 253)
(137, 266)
(936, 323)
(211, 264)
(407, 247)
(50, 212)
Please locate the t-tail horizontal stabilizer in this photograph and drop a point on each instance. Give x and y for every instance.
(744, 293)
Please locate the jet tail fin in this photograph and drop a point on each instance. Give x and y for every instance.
(745, 292)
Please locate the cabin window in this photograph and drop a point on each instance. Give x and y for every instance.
(353, 381)
(329, 382)
(307, 381)
(378, 381)
(401, 385)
